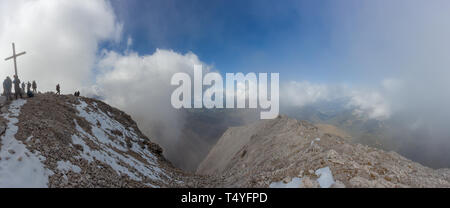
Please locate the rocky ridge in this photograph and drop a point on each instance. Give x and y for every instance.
(67, 141)
(298, 154)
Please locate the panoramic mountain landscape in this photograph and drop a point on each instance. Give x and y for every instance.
(224, 94)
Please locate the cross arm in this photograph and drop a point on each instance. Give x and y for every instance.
(23, 53)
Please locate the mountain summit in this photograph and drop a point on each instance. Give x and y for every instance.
(68, 141)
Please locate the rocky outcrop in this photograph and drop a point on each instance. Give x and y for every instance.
(78, 142)
(285, 152)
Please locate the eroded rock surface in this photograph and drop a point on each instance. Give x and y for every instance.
(81, 142)
(270, 151)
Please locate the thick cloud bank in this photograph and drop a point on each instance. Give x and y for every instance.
(399, 51)
(61, 39)
(369, 103)
(140, 85)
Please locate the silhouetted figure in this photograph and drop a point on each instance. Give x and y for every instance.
(34, 86)
(58, 89)
(30, 94)
(28, 87)
(17, 90)
(7, 87)
(23, 87)
(4, 86)
(77, 94)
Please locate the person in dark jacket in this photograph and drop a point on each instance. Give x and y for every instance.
(28, 87)
(34, 86)
(58, 89)
(17, 90)
(7, 87)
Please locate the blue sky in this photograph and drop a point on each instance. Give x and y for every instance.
(290, 37)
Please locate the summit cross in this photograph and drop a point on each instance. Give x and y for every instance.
(14, 56)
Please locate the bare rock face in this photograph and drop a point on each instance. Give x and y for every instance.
(270, 151)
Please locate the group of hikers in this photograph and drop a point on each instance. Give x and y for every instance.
(19, 88)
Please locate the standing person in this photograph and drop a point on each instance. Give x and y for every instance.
(28, 87)
(17, 90)
(7, 88)
(34, 86)
(23, 87)
(58, 89)
(29, 92)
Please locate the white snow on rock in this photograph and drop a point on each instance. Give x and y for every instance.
(315, 140)
(294, 183)
(151, 185)
(66, 166)
(325, 177)
(325, 180)
(19, 168)
(114, 152)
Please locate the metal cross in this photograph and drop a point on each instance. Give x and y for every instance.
(14, 56)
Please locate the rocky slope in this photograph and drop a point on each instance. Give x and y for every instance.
(65, 141)
(287, 153)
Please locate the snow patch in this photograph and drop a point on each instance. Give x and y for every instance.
(325, 177)
(151, 185)
(315, 140)
(66, 166)
(19, 168)
(115, 151)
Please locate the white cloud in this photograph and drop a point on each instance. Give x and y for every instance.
(303, 93)
(140, 85)
(371, 103)
(61, 39)
(407, 40)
